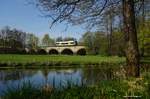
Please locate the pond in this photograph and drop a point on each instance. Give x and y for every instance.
(55, 77)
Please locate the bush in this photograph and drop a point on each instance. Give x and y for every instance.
(41, 52)
(32, 51)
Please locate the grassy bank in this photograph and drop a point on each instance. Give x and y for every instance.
(58, 60)
(109, 89)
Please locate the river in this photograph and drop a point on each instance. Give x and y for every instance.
(55, 77)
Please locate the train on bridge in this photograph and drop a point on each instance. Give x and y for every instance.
(67, 43)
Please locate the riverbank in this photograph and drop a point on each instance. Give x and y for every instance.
(57, 60)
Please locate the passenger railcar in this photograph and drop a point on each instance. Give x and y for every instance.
(66, 43)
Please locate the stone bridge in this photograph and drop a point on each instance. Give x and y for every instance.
(69, 50)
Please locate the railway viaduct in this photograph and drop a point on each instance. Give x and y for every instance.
(69, 50)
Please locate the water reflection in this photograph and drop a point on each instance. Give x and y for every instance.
(95, 75)
(53, 77)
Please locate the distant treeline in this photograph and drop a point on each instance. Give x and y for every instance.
(101, 43)
(12, 38)
(15, 41)
(104, 43)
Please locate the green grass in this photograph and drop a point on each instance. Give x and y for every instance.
(58, 60)
(14, 60)
(41, 58)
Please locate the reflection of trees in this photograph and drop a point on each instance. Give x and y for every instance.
(45, 73)
(90, 75)
(12, 74)
(57, 77)
(95, 75)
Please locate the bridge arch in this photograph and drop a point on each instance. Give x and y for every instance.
(67, 51)
(53, 51)
(41, 51)
(81, 51)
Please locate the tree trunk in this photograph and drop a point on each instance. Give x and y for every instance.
(110, 31)
(132, 53)
(110, 34)
(143, 25)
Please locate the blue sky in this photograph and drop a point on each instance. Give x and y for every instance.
(18, 14)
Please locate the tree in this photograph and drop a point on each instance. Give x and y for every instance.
(96, 42)
(69, 39)
(90, 11)
(143, 24)
(16, 38)
(58, 39)
(4, 36)
(131, 49)
(47, 41)
(118, 43)
(12, 38)
(144, 38)
(32, 41)
(87, 40)
(108, 21)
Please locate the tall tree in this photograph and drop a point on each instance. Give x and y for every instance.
(32, 41)
(47, 41)
(90, 11)
(132, 53)
(108, 21)
(143, 24)
(144, 38)
(58, 39)
(69, 39)
(88, 40)
(12, 38)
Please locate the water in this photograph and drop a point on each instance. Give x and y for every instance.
(53, 77)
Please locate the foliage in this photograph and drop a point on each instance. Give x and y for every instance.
(32, 41)
(14, 41)
(47, 41)
(144, 38)
(12, 38)
(58, 39)
(98, 43)
(118, 44)
(87, 40)
(69, 39)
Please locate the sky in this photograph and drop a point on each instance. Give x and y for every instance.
(26, 17)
